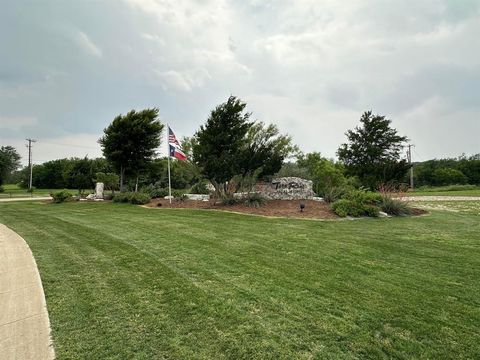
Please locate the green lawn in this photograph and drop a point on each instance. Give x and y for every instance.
(125, 282)
(453, 190)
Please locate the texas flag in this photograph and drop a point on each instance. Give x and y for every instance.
(174, 146)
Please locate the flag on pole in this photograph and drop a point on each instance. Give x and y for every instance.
(175, 147)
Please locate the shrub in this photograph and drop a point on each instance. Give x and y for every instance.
(344, 207)
(358, 203)
(229, 200)
(332, 194)
(254, 200)
(135, 198)
(2, 189)
(31, 190)
(155, 191)
(394, 207)
(178, 193)
(371, 211)
(199, 188)
(364, 197)
(61, 196)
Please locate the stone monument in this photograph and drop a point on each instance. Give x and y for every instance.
(99, 190)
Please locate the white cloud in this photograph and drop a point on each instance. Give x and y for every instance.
(312, 66)
(45, 149)
(182, 81)
(16, 123)
(84, 41)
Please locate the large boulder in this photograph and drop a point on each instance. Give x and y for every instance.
(289, 188)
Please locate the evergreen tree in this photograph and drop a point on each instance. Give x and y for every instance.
(373, 152)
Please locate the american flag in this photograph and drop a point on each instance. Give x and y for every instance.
(175, 150)
(172, 139)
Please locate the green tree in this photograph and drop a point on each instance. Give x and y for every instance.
(446, 176)
(230, 147)
(373, 151)
(130, 141)
(9, 162)
(266, 149)
(326, 174)
(110, 180)
(81, 175)
(219, 143)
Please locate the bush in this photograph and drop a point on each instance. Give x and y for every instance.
(2, 189)
(254, 200)
(135, 198)
(332, 194)
(155, 191)
(344, 207)
(178, 194)
(61, 196)
(358, 203)
(199, 188)
(229, 200)
(371, 211)
(364, 197)
(394, 207)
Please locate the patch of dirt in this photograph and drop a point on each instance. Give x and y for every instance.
(280, 208)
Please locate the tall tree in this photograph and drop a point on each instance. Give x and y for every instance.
(219, 142)
(130, 141)
(230, 145)
(373, 151)
(9, 161)
(266, 149)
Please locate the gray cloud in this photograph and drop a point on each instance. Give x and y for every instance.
(67, 68)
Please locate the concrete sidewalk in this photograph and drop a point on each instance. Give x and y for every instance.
(24, 324)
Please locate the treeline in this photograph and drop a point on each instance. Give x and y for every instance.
(231, 151)
(73, 173)
(81, 174)
(449, 171)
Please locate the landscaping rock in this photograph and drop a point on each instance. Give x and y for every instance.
(198, 197)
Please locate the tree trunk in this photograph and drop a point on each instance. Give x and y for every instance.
(136, 185)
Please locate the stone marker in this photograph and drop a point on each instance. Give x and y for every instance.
(99, 190)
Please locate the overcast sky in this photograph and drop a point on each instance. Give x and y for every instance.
(67, 68)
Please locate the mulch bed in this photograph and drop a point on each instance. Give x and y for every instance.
(280, 208)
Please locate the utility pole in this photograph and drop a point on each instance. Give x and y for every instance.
(30, 163)
(409, 154)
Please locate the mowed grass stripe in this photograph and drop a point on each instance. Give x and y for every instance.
(186, 283)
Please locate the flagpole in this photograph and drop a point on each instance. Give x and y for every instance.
(169, 180)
